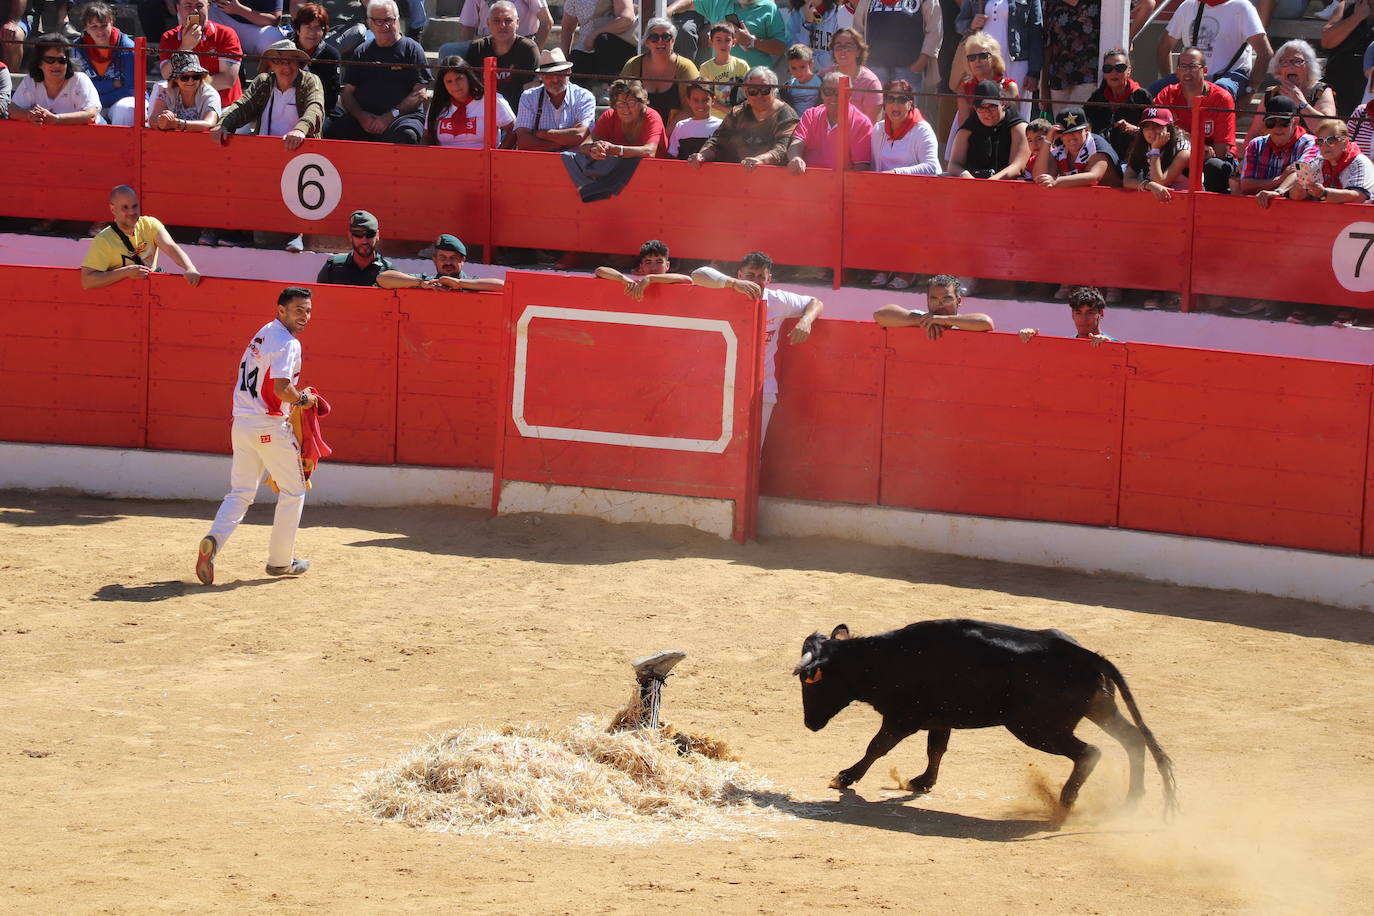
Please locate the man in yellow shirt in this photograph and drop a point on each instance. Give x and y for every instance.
(128, 247)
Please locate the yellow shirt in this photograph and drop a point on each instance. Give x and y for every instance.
(108, 251)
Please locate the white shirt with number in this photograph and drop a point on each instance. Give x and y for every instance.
(781, 305)
(273, 353)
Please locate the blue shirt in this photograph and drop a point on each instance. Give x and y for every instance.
(802, 96)
(118, 81)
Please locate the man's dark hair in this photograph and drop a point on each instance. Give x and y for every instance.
(1186, 48)
(947, 280)
(42, 45)
(757, 259)
(292, 293)
(1086, 297)
(653, 247)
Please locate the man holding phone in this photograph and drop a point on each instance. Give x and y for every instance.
(216, 45)
(759, 30)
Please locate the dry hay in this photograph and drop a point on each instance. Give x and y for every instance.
(578, 784)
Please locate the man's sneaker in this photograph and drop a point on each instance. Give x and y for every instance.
(296, 245)
(297, 568)
(205, 560)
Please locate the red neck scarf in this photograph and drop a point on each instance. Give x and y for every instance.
(1214, 2)
(1331, 171)
(903, 127)
(1297, 132)
(101, 55)
(1131, 86)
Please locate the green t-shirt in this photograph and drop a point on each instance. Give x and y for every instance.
(762, 19)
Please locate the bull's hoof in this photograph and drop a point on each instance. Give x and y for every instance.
(920, 785)
(841, 781)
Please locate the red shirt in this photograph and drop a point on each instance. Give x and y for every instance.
(1218, 127)
(218, 39)
(609, 128)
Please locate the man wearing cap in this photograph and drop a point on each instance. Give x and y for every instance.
(364, 263)
(1274, 155)
(382, 103)
(557, 114)
(450, 254)
(1218, 117)
(991, 144)
(1078, 158)
(284, 102)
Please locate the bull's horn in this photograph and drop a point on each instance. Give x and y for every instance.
(805, 660)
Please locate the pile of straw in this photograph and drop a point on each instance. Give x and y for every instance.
(578, 784)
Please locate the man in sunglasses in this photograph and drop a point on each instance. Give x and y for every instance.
(816, 141)
(1273, 156)
(361, 265)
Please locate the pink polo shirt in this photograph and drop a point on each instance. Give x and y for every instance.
(820, 140)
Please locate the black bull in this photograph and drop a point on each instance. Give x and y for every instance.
(941, 675)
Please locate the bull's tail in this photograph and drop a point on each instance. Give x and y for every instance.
(1162, 761)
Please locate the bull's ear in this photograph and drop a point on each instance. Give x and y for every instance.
(840, 632)
(814, 676)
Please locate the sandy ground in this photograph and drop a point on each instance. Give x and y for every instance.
(170, 748)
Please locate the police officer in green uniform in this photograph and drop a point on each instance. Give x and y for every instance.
(450, 254)
(361, 265)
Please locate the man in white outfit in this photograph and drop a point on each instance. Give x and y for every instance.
(752, 281)
(264, 392)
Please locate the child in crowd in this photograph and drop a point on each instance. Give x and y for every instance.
(724, 69)
(1038, 136)
(803, 90)
(691, 133)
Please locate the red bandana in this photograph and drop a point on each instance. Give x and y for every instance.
(1331, 171)
(899, 130)
(1131, 86)
(99, 54)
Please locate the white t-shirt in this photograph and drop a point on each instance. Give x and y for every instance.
(77, 95)
(474, 16)
(691, 129)
(1223, 29)
(466, 131)
(781, 305)
(274, 352)
(282, 115)
(206, 101)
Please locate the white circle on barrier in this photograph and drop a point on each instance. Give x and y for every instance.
(311, 186)
(1352, 257)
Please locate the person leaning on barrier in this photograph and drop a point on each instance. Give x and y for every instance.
(450, 254)
(630, 130)
(991, 144)
(185, 101)
(651, 268)
(106, 55)
(1272, 158)
(555, 115)
(1087, 306)
(757, 132)
(217, 47)
(363, 262)
(382, 103)
(943, 295)
(55, 92)
(1343, 174)
(1218, 117)
(1077, 157)
(516, 57)
(129, 246)
(816, 140)
(754, 281)
(284, 101)
(1158, 158)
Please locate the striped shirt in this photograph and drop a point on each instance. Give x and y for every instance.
(1265, 161)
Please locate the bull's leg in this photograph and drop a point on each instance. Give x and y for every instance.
(1062, 741)
(886, 739)
(1107, 717)
(937, 742)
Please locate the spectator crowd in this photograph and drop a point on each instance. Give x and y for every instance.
(993, 90)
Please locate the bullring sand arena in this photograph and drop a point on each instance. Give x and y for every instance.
(171, 748)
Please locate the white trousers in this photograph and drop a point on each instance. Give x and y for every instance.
(264, 444)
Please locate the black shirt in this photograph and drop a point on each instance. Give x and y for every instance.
(325, 65)
(989, 148)
(342, 270)
(380, 89)
(523, 55)
(1103, 115)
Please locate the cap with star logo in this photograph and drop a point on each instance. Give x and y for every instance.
(1070, 119)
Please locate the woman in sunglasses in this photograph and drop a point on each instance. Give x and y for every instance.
(1015, 26)
(757, 132)
(1346, 175)
(664, 73)
(185, 101)
(1299, 76)
(904, 144)
(1114, 109)
(55, 92)
(982, 61)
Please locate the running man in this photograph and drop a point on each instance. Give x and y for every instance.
(264, 392)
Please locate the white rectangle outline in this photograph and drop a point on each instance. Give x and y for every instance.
(605, 437)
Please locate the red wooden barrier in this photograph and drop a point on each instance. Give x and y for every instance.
(72, 362)
(1247, 448)
(986, 425)
(715, 212)
(451, 367)
(824, 440)
(659, 396)
(64, 172)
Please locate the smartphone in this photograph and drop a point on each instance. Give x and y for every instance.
(193, 19)
(734, 20)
